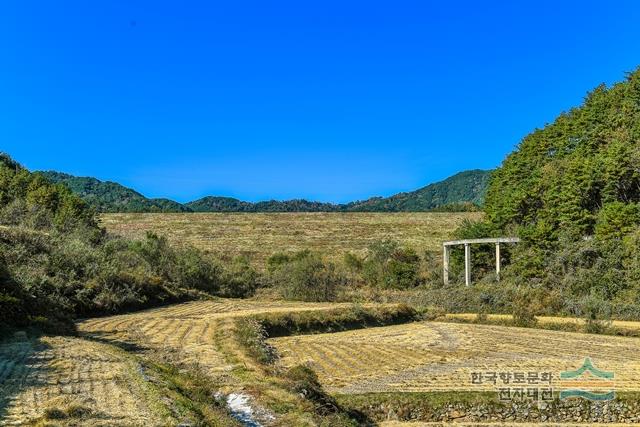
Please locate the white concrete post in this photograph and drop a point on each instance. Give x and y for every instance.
(498, 261)
(445, 264)
(467, 264)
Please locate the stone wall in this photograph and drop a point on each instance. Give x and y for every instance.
(573, 410)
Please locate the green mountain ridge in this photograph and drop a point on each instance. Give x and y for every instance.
(108, 196)
(467, 187)
(229, 204)
(463, 191)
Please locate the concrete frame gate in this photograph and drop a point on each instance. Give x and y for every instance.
(467, 255)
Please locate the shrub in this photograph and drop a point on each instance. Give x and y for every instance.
(390, 266)
(339, 319)
(523, 309)
(252, 335)
(596, 313)
(239, 279)
(353, 262)
(194, 270)
(56, 263)
(308, 278)
(277, 260)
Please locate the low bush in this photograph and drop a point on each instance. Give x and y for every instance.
(523, 310)
(388, 265)
(252, 335)
(597, 314)
(339, 319)
(305, 276)
(239, 279)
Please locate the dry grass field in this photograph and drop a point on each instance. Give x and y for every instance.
(192, 330)
(627, 327)
(38, 375)
(92, 371)
(101, 369)
(436, 356)
(259, 235)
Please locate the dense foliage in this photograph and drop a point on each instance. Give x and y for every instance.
(229, 204)
(386, 265)
(305, 276)
(56, 263)
(581, 171)
(572, 191)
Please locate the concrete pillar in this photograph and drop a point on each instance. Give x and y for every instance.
(498, 261)
(445, 264)
(467, 264)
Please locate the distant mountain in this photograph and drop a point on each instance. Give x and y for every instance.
(464, 189)
(461, 192)
(107, 196)
(220, 204)
(228, 204)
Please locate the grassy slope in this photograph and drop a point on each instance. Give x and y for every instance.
(260, 235)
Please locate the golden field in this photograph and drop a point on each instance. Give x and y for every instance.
(440, 356)
(94, 371)
(56, 372)
(259, 235)
(103, 368)
(107, 371)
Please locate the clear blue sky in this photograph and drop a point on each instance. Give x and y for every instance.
(325, 100)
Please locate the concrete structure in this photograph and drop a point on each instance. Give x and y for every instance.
(467, 255)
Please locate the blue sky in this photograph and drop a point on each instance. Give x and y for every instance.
(326, 100)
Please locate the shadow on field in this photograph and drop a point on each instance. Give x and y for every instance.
(107, 338)
(24, 362)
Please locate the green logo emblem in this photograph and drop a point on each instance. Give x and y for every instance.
(587, 382)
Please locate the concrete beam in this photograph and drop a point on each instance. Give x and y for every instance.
(487, 240)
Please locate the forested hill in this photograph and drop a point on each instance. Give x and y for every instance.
(571, 191)
(580, 175)
(228, 204)
(107, 196)
(463, 191)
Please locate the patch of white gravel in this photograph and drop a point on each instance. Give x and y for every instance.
(240, 406)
